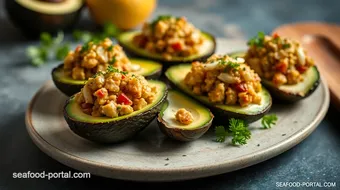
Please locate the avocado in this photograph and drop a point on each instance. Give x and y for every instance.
(176, 130)
(176, 74)
(292, 93)
(35, 16)
(125, 40)
(113, 130)
(69, 86)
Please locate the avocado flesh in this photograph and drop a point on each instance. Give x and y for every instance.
(207, 49)
(295, 92)
(65, 7)
(112, 130)
(174, 129)
(252, 112)
(70, 86)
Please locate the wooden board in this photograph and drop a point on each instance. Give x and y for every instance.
(322, 42)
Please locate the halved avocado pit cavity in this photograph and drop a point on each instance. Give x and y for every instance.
(202, 118)
(175, 102)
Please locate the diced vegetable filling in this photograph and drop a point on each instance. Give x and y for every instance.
(183, 116)
(225, 80)
(92, 57)
(280, 60)
(170, 36)
(115, 93)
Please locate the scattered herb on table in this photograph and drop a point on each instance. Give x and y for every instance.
(238, 129)
(39, 54)
(268, 121)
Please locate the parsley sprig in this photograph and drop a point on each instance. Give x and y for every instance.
(258, 40)
(269, 120)
(238, 129)
(39, 54)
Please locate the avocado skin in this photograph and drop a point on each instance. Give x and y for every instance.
(222, 116)
(116, 131)
(182, 134)
(280, 95)
(67, 89)
(32, 23)
(286, 97)
(71, 89)
(167, 63)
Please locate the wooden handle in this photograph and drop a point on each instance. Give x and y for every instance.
(322, 42)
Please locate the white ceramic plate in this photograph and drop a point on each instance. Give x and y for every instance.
(153, 157)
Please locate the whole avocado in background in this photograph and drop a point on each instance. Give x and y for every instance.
(35, 16)
(125, 14)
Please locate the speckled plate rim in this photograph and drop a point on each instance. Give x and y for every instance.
(185, 173)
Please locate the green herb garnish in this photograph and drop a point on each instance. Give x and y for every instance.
(62, 51)
(85, 48)
(110, 48)
(221, 133)
(285, 46)
(258, 40)
(111, 69)
(39, 54)
(113, 60)
(269, 120)
(238, 130)
(97, 74)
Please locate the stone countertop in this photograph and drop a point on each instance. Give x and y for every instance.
(316, 159)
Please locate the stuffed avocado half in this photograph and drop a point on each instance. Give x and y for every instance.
(183, 118)
(169, 40)
(69, 86)
(111, 130)
(291, 92)
(250, 112)
(93, 57)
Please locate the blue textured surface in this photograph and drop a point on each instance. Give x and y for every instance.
(316, 159)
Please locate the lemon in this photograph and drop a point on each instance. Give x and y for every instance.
(125, 14)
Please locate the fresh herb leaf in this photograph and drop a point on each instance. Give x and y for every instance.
(113, 60)
(233, 65)
(62, 51)
(110, 48)
(110, 30)
(46, 39)
(83, 36)
(111, 69)
(59, 38)
(37, 55)
(258, 40)
(239, 131)
(220, 133)
(85, 48)
(97, 74)
(285, 46)
(268, 121)
(124, 72)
